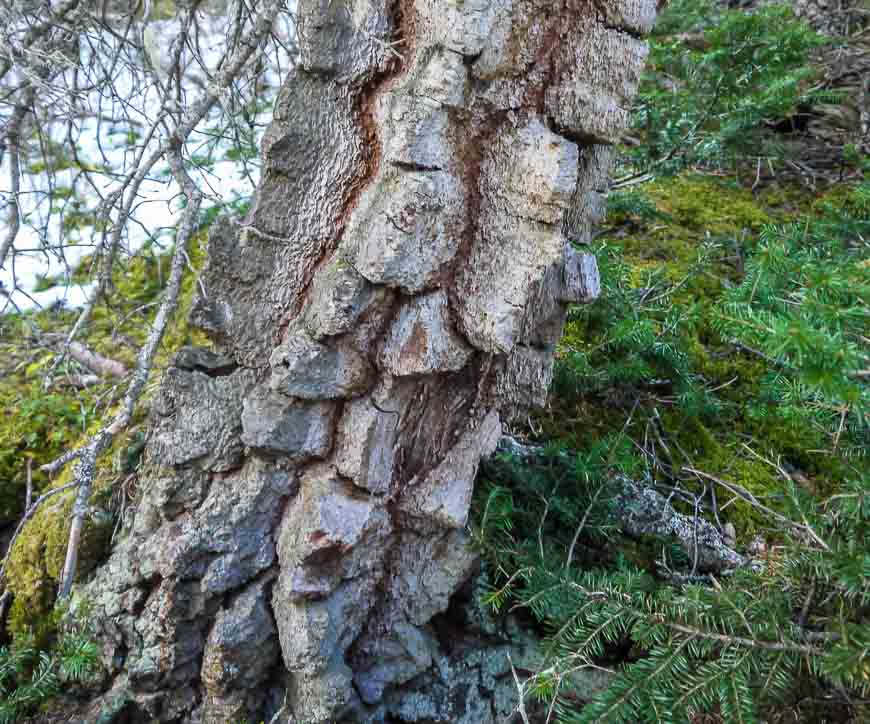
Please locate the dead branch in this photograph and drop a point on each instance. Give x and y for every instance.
(190, 119)
(96, 362)
(748, 497)
(87, 455)
(13, 144)
(521, 694)
(787, 646)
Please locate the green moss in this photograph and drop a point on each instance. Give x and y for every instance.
(853, 200)
(37, 559)
(661, 251)
(37, 426)
(696, 216)
(709, 205)
(691, 209)
(41, 425)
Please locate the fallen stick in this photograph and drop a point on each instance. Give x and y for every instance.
(104, 366)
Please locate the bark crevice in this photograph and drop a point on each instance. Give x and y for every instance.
(395, 293)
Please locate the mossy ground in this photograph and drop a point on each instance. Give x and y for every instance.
(38, 425)
(735, 432)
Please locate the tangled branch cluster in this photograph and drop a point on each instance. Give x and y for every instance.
(179, 80)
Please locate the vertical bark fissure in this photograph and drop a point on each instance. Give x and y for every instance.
(363, 113)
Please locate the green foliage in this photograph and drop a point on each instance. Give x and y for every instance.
(29, 677)
(736, 646)
(711, 93)
(804, 304)
(37, 425)
(726, 365)
(40, 425)
(640, 335)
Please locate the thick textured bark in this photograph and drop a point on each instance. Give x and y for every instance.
(395, 293)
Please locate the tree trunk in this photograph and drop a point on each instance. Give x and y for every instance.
(395, 294)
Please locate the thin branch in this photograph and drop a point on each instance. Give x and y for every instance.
(13, 143)
(96, 362)
(748, 497)
(191, 118)
(788, 646)
(521, 696)
(88, 455)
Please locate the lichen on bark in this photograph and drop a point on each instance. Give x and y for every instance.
(395, 293)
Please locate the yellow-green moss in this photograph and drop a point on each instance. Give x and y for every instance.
(707, 204)
(663, 250)
(694, 208)
(717, 454)
(36, 561)
(41, 425)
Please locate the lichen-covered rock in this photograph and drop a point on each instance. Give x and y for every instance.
(339, 297)
(406, 229)
(310, 370)
(529, 178)
(240, 652)
(200, 359)
(589, 99)
(444, 495)
(197, 419)
(641, 511)
(832, 17)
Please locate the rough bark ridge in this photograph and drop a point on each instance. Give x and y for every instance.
(396, 291)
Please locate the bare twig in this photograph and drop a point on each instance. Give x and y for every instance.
(87, 457)
(748, 497)
(13, 144)
(521, 695)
